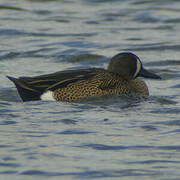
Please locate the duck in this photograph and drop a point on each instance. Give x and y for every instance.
(120, 78)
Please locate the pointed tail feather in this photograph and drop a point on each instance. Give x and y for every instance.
(26, 92)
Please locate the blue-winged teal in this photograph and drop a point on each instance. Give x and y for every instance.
(119, 78)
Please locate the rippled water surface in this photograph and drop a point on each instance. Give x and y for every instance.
(96, 138)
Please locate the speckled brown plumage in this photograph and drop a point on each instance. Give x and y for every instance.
(101, 84)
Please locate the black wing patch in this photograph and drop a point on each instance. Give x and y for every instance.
(108, 84)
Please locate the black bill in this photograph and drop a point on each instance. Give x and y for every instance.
(146, 74)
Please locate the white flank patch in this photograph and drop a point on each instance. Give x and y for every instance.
(138, 67)
(47, 96)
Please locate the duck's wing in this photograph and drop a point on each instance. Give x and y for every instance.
(31, 88)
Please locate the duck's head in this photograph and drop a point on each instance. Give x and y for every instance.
(129, 66)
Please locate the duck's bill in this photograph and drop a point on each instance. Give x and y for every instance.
(146, 74)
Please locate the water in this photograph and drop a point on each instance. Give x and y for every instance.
(97, 138)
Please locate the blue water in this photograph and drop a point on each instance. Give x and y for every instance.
(117, 137)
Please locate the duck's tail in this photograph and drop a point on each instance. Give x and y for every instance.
(26, 92)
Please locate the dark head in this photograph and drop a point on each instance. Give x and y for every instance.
(129, 66)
